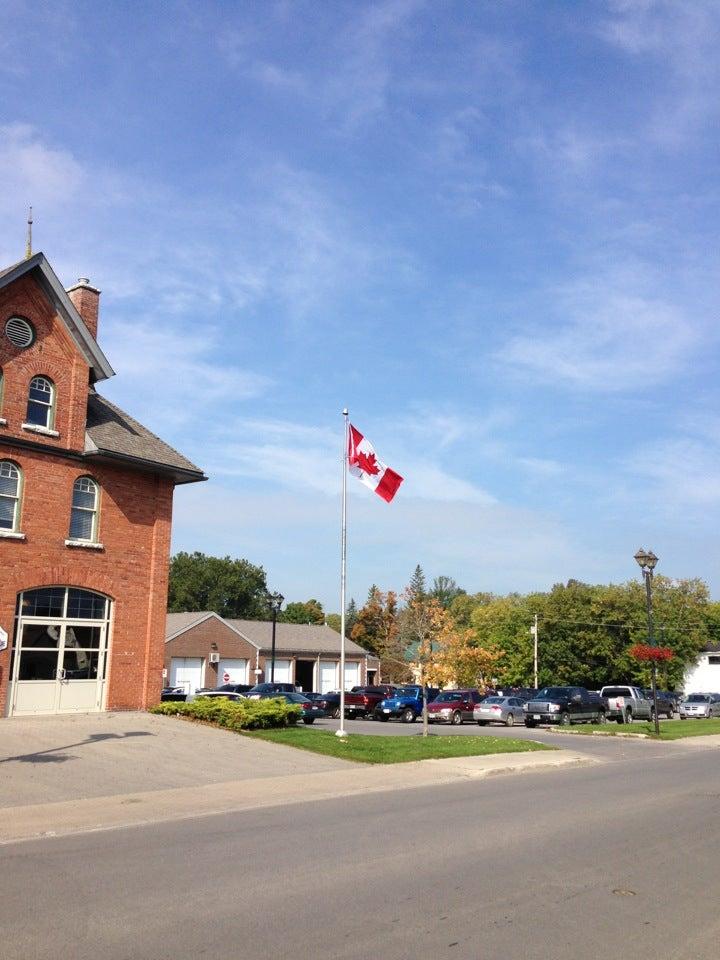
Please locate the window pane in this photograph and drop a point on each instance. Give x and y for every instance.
(83, 605)
(38, 414)
(40, 635)
(40, 389)
(38, 665)
(46, 602)
(7, 513)
(81, 524)
(84, 498)
(82, 637)
(81, 664)
(9, 479)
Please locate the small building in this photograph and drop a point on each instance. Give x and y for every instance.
(704, 675)
(203, 649)
(86, 497)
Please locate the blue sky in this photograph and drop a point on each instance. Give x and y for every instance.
(489, 229)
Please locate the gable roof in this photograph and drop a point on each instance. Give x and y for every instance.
(38, 266)
(112, 433)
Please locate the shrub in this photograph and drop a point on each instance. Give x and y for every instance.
(234, 714)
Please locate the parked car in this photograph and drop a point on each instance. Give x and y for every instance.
(507, 710)
(524, 693)
(626, 703)
(406, 703)
(329, 702)
(666, 703)
(173, 694)
(454, 706)
(261, 688)
(362, 701)
(700, 705)
(227, 690)
(564, 705)
(310, 710)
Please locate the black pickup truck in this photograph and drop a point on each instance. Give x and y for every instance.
(564, 705)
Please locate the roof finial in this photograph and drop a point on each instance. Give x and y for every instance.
(28, 245)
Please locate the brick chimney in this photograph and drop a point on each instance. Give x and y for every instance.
(86, 300)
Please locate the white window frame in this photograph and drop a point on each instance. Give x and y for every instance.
(6, 466)
(94, 510)
(49, 405)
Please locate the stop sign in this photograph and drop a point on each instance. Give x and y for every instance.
(226, 677)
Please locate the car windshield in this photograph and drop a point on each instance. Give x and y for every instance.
(406, 692)
(697, 698)
(452, 696)
(551, 692)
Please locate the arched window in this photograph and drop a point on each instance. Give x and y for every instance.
(41, 403)
(10, 483)
(83, 516)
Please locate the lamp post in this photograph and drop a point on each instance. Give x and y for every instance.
(647, 563)
(275, 601)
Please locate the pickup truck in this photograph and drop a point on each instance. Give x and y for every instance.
(406, 703)
(564, 705)
(626, 703)
(362, 701)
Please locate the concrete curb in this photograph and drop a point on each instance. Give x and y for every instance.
(124, 810)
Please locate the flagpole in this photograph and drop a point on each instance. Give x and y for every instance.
(342, 732)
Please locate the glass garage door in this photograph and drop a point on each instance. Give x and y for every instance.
(60, 651)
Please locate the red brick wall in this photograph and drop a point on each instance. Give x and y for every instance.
(135, 511)
(197, 641)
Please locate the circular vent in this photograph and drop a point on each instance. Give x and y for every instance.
(19, 332)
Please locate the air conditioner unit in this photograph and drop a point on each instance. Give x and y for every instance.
(214, 657)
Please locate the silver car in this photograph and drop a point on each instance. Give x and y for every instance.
(507, 710)
(700, 705)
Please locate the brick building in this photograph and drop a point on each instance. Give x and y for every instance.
(85, 512)
(202, 648)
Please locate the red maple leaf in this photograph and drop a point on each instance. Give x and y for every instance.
(366, 462)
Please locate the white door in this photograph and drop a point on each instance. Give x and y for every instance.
(236, 670)
(282, 671)
(352, 675)
(328, 676)
(186, 672)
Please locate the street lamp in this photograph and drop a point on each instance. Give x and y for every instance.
(275, 602)
(647, 561)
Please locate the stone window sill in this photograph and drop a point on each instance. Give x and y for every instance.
(86, 544)
(36, 428)
(11, 535)
(3, 422)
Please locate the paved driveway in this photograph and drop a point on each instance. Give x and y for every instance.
(46, 759)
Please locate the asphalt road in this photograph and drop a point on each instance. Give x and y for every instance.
(591, 862)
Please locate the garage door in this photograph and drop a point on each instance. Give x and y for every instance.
(282, 671)
(352, 675)
(328, 676)
(237, 671)
(186, 672)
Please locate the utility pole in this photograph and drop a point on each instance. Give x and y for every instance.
(534, 632)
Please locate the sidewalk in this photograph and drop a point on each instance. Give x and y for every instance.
(29, 822)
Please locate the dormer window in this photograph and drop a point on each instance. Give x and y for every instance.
(84, 513)
(41, 403)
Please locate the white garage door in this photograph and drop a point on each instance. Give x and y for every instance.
(186, 672)
(328, 676)
(352, 675)
(237, 671)
(282, 671)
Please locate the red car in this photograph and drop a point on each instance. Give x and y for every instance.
(454, 706)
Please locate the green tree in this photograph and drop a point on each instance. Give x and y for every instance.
(376, 630)
(310, 611)
(332, 620)
(445, 590)
(417, 586)
(230, 588)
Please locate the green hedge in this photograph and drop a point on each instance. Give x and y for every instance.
(234, 714)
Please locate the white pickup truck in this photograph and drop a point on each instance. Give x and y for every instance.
(626, 704)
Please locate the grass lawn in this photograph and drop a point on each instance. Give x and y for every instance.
(669, 730)
(363, 748)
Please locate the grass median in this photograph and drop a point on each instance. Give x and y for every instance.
(669, 729)
(364, 748)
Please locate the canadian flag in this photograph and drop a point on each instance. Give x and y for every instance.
(364, 464)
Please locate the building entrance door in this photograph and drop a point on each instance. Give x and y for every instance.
(60, 652)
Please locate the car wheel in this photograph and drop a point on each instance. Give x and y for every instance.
(629, 717)
(336, 713)
(509, 720)
(457, 718)
(602, 718)
(308, 720)
(671, 713)
(565, 719)
(408, 716)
